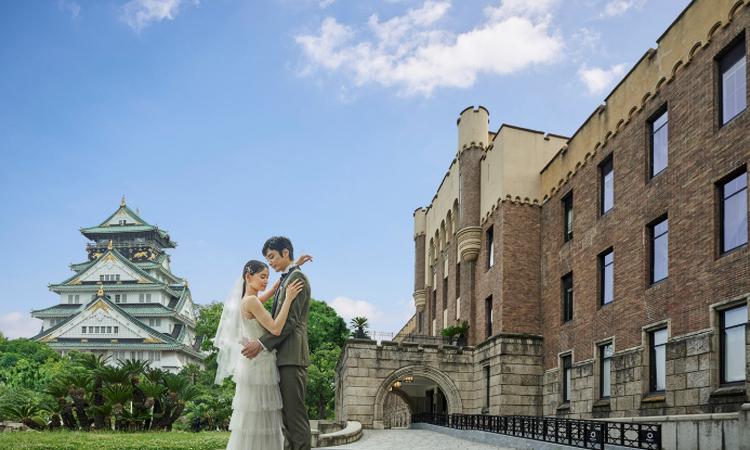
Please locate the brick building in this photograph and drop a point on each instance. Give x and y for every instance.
(620, 252)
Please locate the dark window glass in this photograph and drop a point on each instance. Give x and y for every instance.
(605, 382)
(490, 247)
(445, 293)
(567, 297)
(659, 250)
(83, 330)
(488, 315)
(659, 143)
(658, 359)
(733, 329)
(567, 377)
(733, 82)
(607, 276)
(607, 185)
(458, 280)
(734, 212)
(568, 217)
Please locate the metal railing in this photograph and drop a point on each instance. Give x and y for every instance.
(592, 434)
(413, 338)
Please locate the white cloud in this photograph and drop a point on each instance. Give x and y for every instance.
(391, 321)
(139, 14)
(72, 7)
(619, 7)
(323, 4)
(413, 55)
(15, 324)
(598, 80)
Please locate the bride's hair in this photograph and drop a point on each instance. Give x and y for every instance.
(252, 267)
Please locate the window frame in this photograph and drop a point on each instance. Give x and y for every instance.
(489, 236)
(652, 250)
(567, 203)
(722, 200)
(488, 328)
(602, 360)
(739, 41)
(566, 362)
(567, 301)
(652, 375)
(607, 163)
(722, 343)
(651, 122)
(602, 274)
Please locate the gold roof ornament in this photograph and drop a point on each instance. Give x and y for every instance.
(110, 246)
(122, 202)
(100, 292)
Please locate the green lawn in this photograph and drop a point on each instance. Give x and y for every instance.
(64, 440)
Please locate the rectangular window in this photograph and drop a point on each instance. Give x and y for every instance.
(458, 280)
(445, 293)
(109, 330)
(445, 317)
(83, 330)
(117, 330)
(148, 298)
(70, 299)
(658, 364)
(101, 277)
(605, 381)
(659, 142)
(567, 297)
(567, 381)
(733, 82)
(458, 308)
(606, 277)
(659, 232)
(490, 247)
(96, 330)
(141, 298)
(488, 315)
(117, 298)
(733, 210)
(487, 387)
(607, 181)
(733, 329)
(434, 327)
(77, 299)
(568, 217)
(124, 298)
(117, 277)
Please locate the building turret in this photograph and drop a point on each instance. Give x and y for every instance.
(420, 293)
(473, 137)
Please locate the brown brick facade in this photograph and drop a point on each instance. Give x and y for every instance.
(531, 257)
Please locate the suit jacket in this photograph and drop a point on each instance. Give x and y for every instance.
(291, 345)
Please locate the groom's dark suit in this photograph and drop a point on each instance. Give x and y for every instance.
(293, 357)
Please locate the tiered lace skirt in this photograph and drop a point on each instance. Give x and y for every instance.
(256, 409)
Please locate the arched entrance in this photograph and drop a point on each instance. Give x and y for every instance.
(418, 387)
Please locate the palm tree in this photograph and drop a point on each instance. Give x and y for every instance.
(179, 391)
(62, 410)
(95, 363)
(136, 368)
(27, 413)
(79, 383)
(359, 324)
(153, 393)
(117, 396)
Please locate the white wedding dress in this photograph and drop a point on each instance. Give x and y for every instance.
(256, 408)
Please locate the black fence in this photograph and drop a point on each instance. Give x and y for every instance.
(575, 433)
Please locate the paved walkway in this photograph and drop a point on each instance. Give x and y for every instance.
(412, 440)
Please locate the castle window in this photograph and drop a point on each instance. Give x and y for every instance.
(70, 299)
(458, 280)
(490, 247)
(659, 260)
(83, 330)
(488, 315)
(117, 298)
(109, 330)
(445, 293)
(733, 214)
(117, 330)
(733, 81)
(77, 299)
(487, 387)
(123, 221)
(658, 359)
(567, 297)
(605, 381)
(154, 322)
(567, 217)
(607, 185)
(96, 330)
(659, 142)
(606, 277)
(567, 381)
(733, 324)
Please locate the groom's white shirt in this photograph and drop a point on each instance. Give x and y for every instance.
(288, 269)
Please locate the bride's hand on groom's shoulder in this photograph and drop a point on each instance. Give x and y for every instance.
(293, 289)
(303, 259)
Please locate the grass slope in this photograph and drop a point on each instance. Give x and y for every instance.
(63, 440)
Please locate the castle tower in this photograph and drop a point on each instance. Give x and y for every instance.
(147, 312)
(420, 293)
(473, 137)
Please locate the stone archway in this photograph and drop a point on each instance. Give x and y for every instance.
(452, 395)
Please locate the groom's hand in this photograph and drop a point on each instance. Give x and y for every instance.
(251, 349)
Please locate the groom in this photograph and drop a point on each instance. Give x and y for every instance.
(292, 353)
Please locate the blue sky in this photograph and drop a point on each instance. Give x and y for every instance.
(228, 121)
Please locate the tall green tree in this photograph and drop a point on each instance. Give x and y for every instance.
(321, 376)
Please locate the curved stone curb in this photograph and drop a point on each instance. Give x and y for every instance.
(351, 433)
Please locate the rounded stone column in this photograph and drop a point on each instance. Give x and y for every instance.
(420, 293)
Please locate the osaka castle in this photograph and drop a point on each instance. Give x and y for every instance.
(124, 302)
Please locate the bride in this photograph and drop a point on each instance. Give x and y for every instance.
(256, 408)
